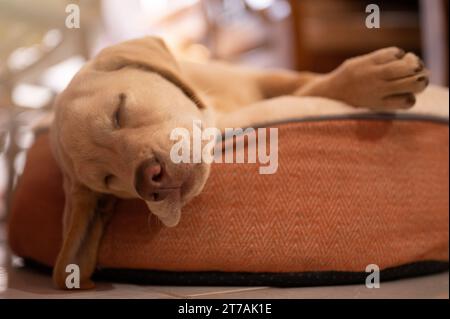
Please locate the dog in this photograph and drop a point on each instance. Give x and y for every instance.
(111, 127)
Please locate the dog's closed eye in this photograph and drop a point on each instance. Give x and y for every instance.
(117, 117)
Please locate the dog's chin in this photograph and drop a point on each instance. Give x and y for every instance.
(171, 221)
(168, 210)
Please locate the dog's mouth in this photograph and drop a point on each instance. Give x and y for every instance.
(162, 193)
(166, 204)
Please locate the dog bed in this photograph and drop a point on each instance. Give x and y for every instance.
(351, 190)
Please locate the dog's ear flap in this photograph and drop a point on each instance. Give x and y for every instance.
(86, 214)
(148, 53)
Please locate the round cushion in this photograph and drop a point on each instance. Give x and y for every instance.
(348, 192)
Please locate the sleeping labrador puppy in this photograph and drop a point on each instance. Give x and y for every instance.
(110, 133)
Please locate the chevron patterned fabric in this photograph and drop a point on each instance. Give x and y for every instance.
(347, 193)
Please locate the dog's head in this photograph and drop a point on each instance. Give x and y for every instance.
(111, 136)
(111, 133)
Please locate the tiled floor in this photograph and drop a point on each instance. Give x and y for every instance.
(19, 282)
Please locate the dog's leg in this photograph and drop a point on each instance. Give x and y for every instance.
(228, 87)
(274, 83)
(384, 79)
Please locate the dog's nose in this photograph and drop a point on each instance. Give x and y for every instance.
(153, 173)
(150, 178)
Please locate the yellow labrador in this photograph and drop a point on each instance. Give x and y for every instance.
(110, 134)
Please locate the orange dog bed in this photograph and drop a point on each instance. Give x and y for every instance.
(349, 192)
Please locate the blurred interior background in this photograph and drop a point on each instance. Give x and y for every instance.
(39, 54)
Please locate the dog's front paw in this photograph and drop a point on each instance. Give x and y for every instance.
(385, 79)
(404, 75)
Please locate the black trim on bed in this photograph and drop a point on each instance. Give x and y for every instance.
(289, 279)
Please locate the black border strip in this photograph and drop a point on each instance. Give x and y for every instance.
(281, 279)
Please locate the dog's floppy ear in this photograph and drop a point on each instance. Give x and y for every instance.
(148, 53)
(86, 214)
